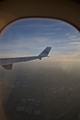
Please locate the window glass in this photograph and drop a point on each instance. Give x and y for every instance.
(43, 89)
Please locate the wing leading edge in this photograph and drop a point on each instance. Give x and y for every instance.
(8, 62)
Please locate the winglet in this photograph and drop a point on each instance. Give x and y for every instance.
(45, 52)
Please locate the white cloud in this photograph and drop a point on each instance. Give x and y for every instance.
(53, 29)
(75, 36)
(67, 34)
(49, 33)
(74, 43)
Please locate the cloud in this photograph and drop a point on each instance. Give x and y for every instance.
(32, 46)
(74, 36)
(38, 43)
(63, 57)
(67, 34)
(64, 45)
(52, 28)
(74, 43)
(29, 25)
(49, 33)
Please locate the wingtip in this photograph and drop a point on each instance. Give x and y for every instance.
(49, 47)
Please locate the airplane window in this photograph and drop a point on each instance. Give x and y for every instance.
(40, 70)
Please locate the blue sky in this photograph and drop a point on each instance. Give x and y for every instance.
(28, 37)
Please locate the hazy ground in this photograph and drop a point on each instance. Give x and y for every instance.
(55, 85)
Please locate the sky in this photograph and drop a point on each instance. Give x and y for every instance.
(28, 37)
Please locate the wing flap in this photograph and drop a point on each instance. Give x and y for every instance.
(8, 67)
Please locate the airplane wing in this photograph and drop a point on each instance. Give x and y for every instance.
(8, 62)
